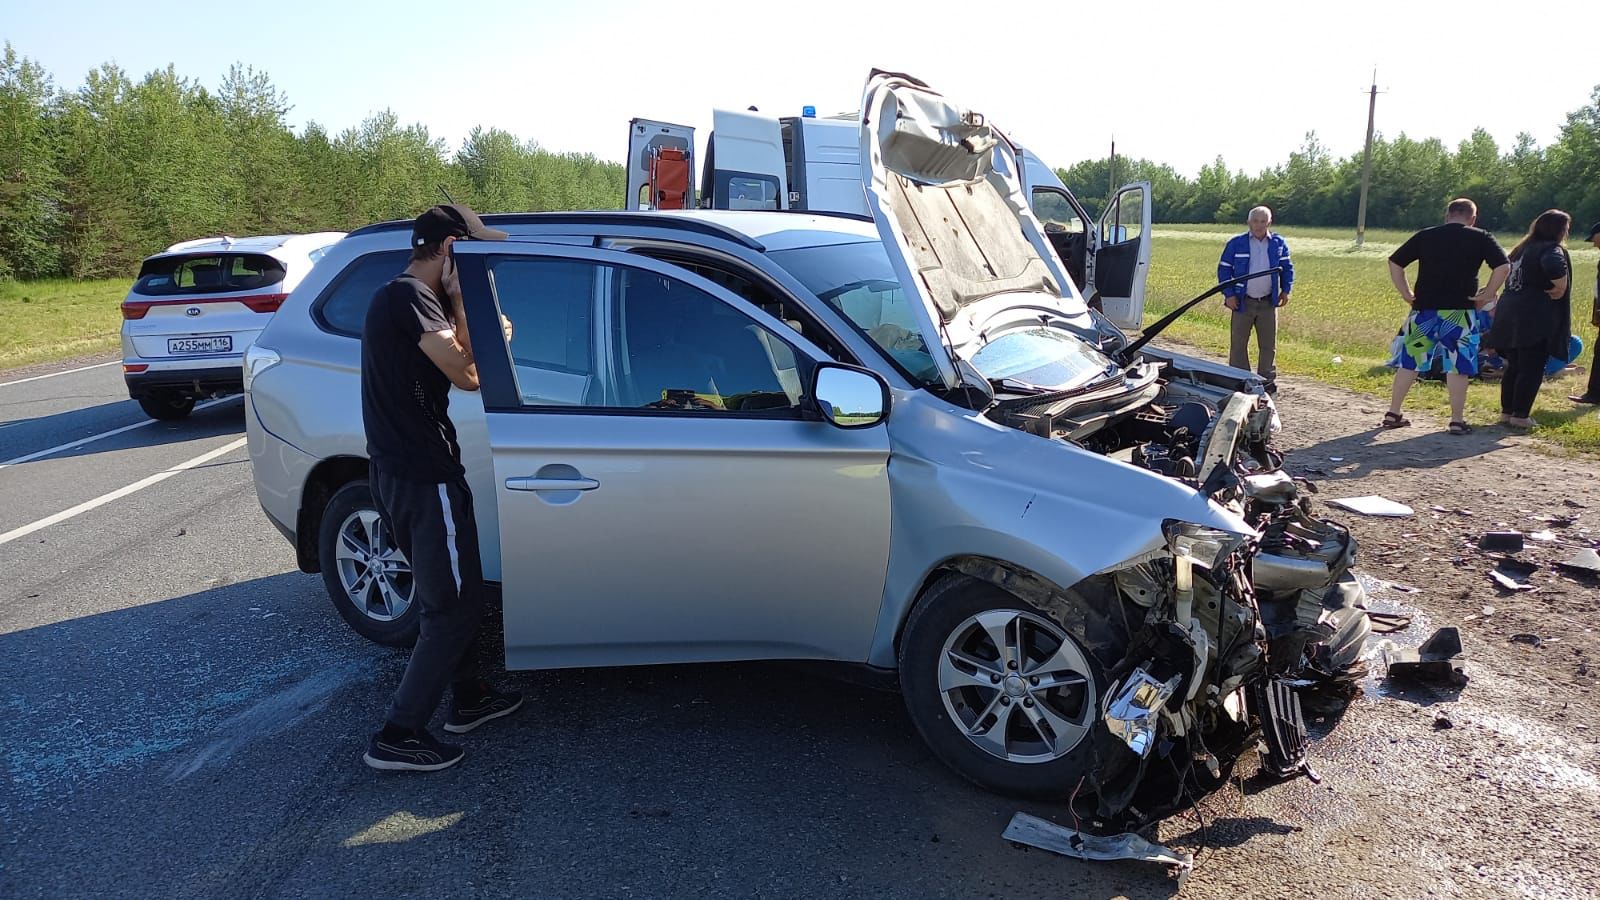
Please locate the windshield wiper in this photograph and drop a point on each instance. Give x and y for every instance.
(1125, 355)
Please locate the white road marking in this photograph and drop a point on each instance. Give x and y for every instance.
(70, 445)
(121, 492)
(54, 374)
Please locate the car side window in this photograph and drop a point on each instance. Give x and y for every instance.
(342, 308)
(551, 304)
(623, 338)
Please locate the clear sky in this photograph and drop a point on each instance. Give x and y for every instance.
(1175, 82)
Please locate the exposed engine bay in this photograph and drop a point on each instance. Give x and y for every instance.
(1204, 644)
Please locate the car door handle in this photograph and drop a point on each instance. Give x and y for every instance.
(551, 484)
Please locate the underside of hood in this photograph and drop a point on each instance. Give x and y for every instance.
(948, 201)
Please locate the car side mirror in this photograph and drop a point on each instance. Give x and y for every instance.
(849, 397)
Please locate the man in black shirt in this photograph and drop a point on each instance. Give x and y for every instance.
(414, 346)
(1443, 327)
(1592, 393)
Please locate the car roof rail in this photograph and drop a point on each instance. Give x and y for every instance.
(600, 217)
(835, 213)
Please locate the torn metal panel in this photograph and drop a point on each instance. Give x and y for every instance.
(1131, 709)
(1036, 832)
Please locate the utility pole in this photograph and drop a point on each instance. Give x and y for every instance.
(1366, 163)
(1111, 176)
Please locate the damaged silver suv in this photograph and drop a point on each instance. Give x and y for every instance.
(906, 445)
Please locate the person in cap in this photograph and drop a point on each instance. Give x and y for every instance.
(1592, 393)
(414, 346)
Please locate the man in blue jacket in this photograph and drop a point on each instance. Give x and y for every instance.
(1255, 303)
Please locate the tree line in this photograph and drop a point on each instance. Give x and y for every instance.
(95, 178)
(1412, 180)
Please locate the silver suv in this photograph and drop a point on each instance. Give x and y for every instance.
(723, 436)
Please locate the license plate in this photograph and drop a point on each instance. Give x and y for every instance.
(200, 345)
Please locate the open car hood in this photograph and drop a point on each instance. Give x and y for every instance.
(944, 192)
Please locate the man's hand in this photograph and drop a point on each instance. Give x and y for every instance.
(1283, 299)
(1482, 298)
(505, 326)
(1231, 302)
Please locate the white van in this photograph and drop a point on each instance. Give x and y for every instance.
(811, 164)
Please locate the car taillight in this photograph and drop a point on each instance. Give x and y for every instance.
(134, 310)
(134, 368)
(264, 302)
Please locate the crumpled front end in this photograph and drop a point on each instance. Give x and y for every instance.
(1222, 631)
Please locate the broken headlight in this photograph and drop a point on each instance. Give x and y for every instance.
(1202, 545)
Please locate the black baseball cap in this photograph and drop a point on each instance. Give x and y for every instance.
(451, 220)
(1593, 230)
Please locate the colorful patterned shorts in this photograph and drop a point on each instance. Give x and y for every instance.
(1445, 337)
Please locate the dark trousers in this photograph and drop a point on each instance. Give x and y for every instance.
(433, 526)
(1594, 373)
(1519, 386)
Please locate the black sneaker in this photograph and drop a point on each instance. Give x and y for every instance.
(418, 752)
(489, 704)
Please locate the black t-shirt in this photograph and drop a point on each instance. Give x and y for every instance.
(404, 396)
(1449, 257)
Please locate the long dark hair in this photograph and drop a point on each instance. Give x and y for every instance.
(1552, 225)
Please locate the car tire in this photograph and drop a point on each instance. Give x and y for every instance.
(350, 519)
(167, 406)
(949, 609)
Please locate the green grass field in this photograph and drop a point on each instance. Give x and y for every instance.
(58, 319)
(1345, 307)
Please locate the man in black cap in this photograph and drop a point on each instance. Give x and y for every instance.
(1592, 393)
(414, 346)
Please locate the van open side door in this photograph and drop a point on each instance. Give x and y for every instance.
(1122, 259)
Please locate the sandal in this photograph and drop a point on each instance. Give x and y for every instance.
(1460, 428)
(1395, 420)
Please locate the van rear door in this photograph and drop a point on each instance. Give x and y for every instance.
(748, 169)
(660, 165)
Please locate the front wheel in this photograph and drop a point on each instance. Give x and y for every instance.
(366, 575)
(1000, 692)
(167, 406)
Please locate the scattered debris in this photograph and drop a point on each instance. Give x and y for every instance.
(1586, 562)
(1488, 611)
(1501, 541)
(1336, 459)
(1573, 504)
(1373, 506)
(1544, 537)
(1441, 722)
(1036, 832)
(1532, 640)
(1388, 623)
(1438, 659)
(1507, 582)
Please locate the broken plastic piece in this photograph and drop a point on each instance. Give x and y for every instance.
(1585, 562)
(1543, 536)
(1036, 832)
(1438, 659)
(1373, 506)
(1501, 541)
(1532, 640)
(1130, 713)
(1283, 730)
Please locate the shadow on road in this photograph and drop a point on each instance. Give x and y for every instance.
(26, 436)
(210, 744)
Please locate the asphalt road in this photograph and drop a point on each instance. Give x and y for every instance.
(184, 713)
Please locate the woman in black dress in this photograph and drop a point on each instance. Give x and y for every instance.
(1533, 321)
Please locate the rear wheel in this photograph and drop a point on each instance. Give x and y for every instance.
(366, 575)
(168, 406)
(1001, 693)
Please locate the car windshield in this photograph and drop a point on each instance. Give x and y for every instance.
(857, 280)
(1042, 357)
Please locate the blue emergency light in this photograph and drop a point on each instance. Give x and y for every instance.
(809, 112)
